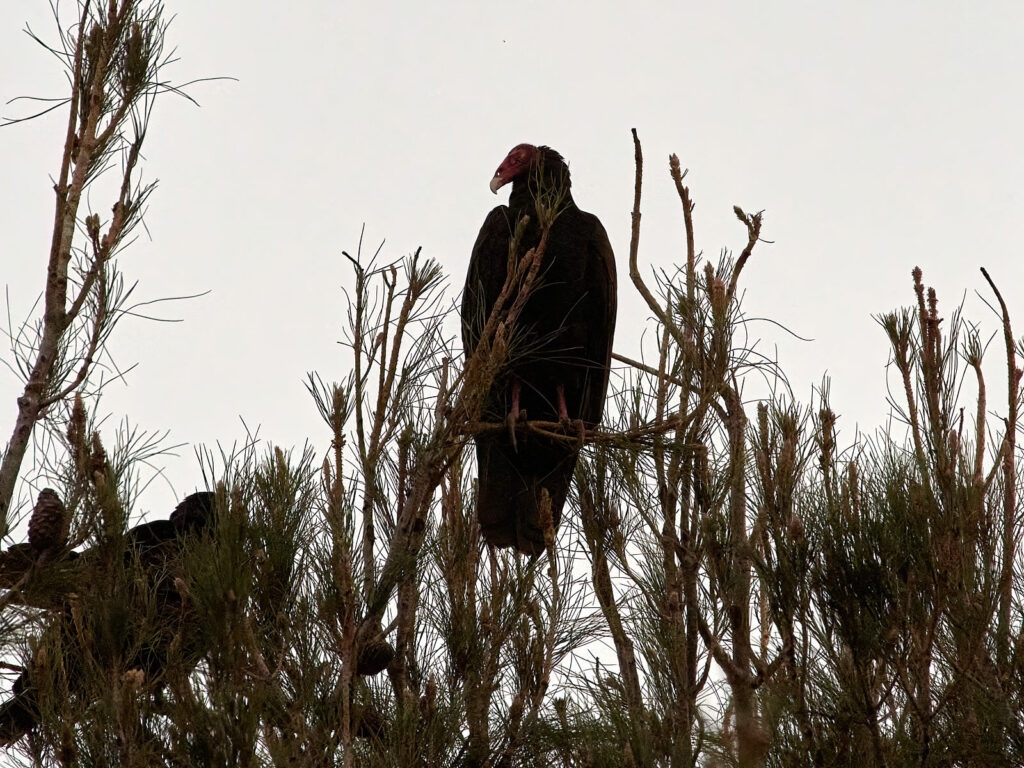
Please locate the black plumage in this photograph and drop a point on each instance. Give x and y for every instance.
(155, 547)
(559, 350)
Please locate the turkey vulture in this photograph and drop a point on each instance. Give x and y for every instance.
(559, 351)
(155, 547)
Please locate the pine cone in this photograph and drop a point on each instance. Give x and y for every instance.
(374, 657)
(48, 526)
(370, 723)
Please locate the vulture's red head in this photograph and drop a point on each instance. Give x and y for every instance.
(522, 158)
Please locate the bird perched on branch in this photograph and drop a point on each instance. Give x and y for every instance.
(558, 347)
(155, 547)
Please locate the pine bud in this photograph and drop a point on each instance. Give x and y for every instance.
(689, 346)
(429, 699)
(673, 604)
(136, 60)
(500, 344)
(614, 519)
(796, 529)
(92, 226)
(718, 299)
(547, 521)
(933, 304)
(94, 44)
(76, 433)
(133, 679)
(41, 661)
(613, 683)
(515, 710)
(674, 168)
(561, 709)
(181, 588)
(99, 460)
(48, 526)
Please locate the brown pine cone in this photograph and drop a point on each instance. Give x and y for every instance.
(48, 526)
(374, 657)
(370, 723)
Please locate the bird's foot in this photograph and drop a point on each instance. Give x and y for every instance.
(569, 425)
(510, 422)
(515, 414)
(563, 410)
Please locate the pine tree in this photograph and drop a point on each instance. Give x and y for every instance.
(731, 585)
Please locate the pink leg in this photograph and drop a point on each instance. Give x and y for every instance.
(563, 416)
(563, 412)
(513, 414)
(516, 386)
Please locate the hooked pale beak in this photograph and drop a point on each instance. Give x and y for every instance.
(497, 182)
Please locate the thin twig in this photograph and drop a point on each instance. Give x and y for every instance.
(1013, 377)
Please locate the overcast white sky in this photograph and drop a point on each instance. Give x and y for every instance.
(876, 137)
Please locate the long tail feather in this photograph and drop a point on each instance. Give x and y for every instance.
(510, 484)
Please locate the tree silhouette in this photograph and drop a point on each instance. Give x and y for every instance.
(730, 585)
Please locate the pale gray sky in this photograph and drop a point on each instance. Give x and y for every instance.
(875, 135)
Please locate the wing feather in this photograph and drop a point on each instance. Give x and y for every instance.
(486, 276)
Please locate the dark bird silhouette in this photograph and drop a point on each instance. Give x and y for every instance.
(154, 546)
(559, 351)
